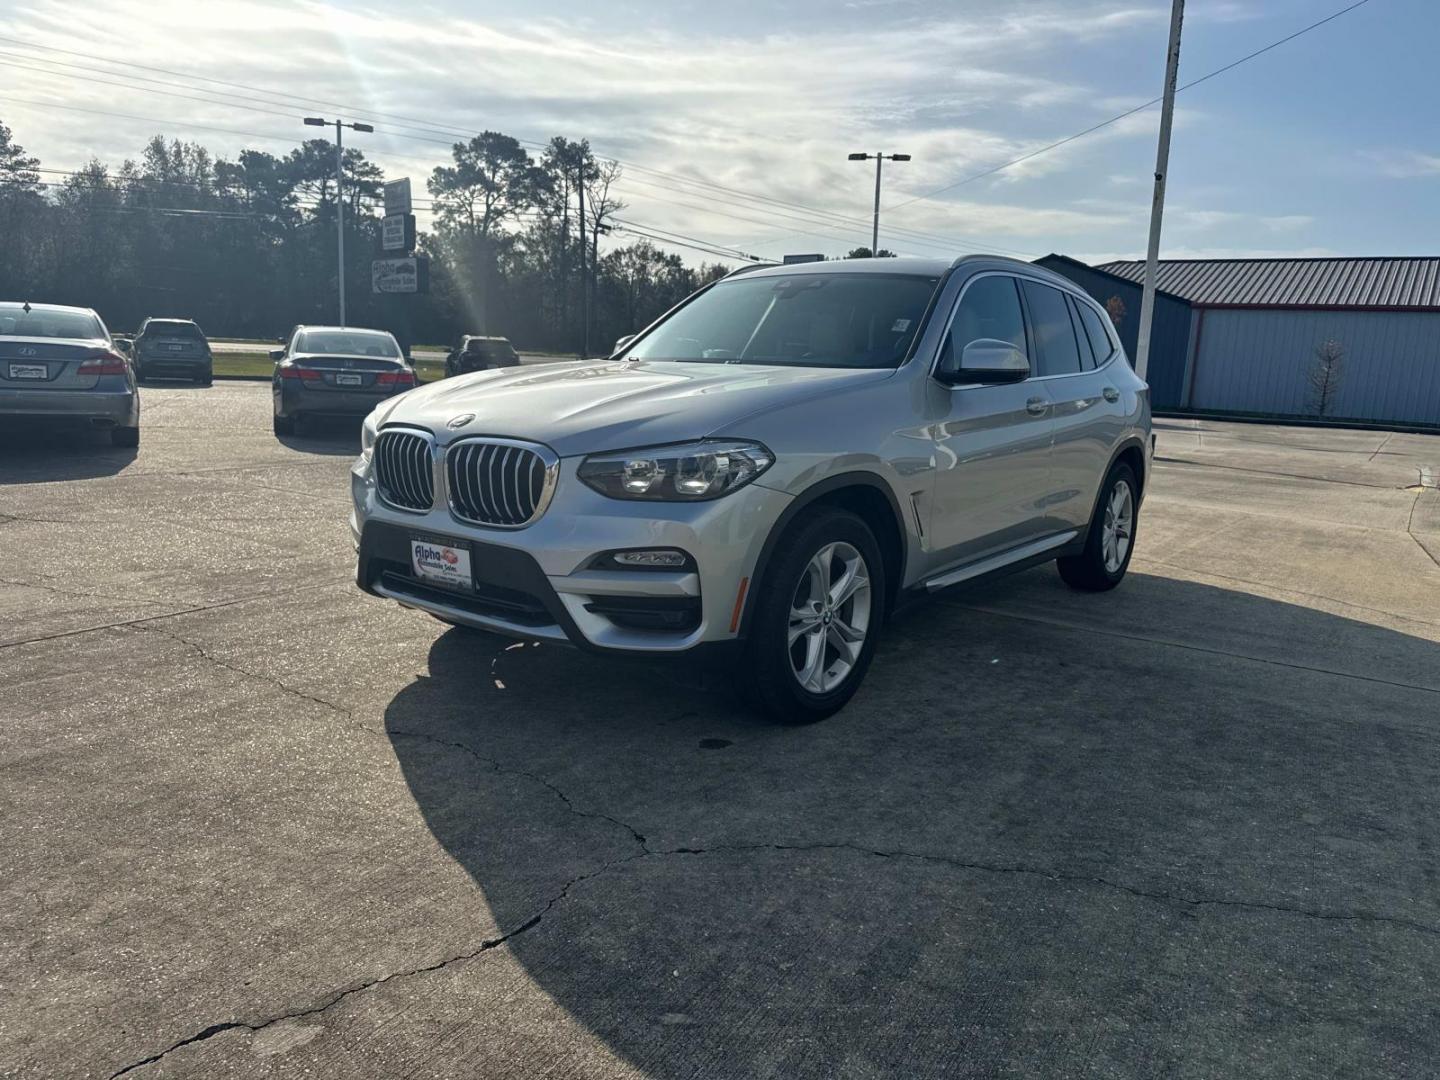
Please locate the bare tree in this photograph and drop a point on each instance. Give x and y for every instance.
(1325, 376)
(1115, 308)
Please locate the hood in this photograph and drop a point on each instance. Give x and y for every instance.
(584, 408)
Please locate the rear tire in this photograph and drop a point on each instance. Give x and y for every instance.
(1110, 540)
(816, 619)
(128, 437)
(284, 425)
(206, 380)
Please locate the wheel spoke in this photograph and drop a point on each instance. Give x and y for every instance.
(851, 582)
(811, 674)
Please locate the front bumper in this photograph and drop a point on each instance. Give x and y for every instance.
(539, 582)
(109, 408)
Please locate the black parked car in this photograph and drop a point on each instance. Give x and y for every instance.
(336, 371)
(476, 353)
(172, 349)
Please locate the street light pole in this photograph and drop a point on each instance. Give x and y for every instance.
(317, 121)
(1157, 202)
(340, 218)
(875, 225)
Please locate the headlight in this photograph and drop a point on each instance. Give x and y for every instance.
(368, 431)
(689, 472)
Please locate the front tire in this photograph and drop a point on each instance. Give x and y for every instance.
(816, 619)
(1111, 538)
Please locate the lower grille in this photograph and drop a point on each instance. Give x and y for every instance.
(403, 471)
(499, 483)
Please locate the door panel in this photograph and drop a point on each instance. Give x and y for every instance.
(1087, 428)
(992, 457)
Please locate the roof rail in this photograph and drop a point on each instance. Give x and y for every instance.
(748, 267)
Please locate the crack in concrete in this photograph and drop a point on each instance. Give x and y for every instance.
(272, 680)
(81, 595)
(1270, 472)
(1068, 878)
(1061, 624)
(338, 996)
(1409, 529)
(195, 610)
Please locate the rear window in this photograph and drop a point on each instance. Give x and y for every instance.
(490, 349)
(173, 329)
(349, 363)
(348, 343)
(41, 323)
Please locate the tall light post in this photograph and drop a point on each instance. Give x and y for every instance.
(316, 121)
(880, 159)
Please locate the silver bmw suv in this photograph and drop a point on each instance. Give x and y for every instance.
(769, 470)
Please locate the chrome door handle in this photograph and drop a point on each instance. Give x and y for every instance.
(1037, 406)
(1111, 394)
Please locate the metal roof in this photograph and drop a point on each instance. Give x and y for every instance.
(1409, 283)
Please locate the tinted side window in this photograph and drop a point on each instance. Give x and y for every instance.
(990, 308)
(1087, 354)
(1095, 330)
(1054, 336)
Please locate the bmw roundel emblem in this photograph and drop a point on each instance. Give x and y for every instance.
(457, 422)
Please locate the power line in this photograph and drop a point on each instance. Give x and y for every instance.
(1129, 112)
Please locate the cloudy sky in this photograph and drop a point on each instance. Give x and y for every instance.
(734, 118)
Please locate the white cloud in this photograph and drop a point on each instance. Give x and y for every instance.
(1403, 164)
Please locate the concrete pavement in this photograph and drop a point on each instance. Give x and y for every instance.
(261, 825)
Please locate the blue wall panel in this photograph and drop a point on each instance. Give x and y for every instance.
(1258, 361)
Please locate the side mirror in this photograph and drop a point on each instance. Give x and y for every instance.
(123, 344)
(621, 342)
(988, 360)
(277, 355)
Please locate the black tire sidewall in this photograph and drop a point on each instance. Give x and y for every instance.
(770, 683)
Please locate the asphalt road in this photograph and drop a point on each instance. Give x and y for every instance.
(257, 824)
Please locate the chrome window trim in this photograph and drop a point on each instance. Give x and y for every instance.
(435, 470)
(548, 458)
(1015, 275)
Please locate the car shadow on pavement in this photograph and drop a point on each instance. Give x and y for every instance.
(31, 454)
(1032, 839)
(326, 435)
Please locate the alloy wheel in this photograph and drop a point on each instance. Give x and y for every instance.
(1119, 527)
(829, 617)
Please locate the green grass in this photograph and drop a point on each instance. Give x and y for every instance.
(231, 365)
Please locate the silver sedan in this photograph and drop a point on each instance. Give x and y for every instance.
(59, 365)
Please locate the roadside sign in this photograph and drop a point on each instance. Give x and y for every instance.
(408, 275)
(397, 197)
(789, 259)
(397, 232)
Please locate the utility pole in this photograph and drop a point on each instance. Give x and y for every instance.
(584, 274)
(1157, 204)
(879, 161)
(316, 121)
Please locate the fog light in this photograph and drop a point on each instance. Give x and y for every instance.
(661, 558)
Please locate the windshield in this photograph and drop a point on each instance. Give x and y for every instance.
(49, 323)
(348, 343)
(804, 320)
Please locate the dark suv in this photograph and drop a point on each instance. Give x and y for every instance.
(476, 353)
(172, 349)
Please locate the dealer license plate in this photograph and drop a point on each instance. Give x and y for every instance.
(176, 348)
(348, 380)
(441, 564)
(29, 371)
